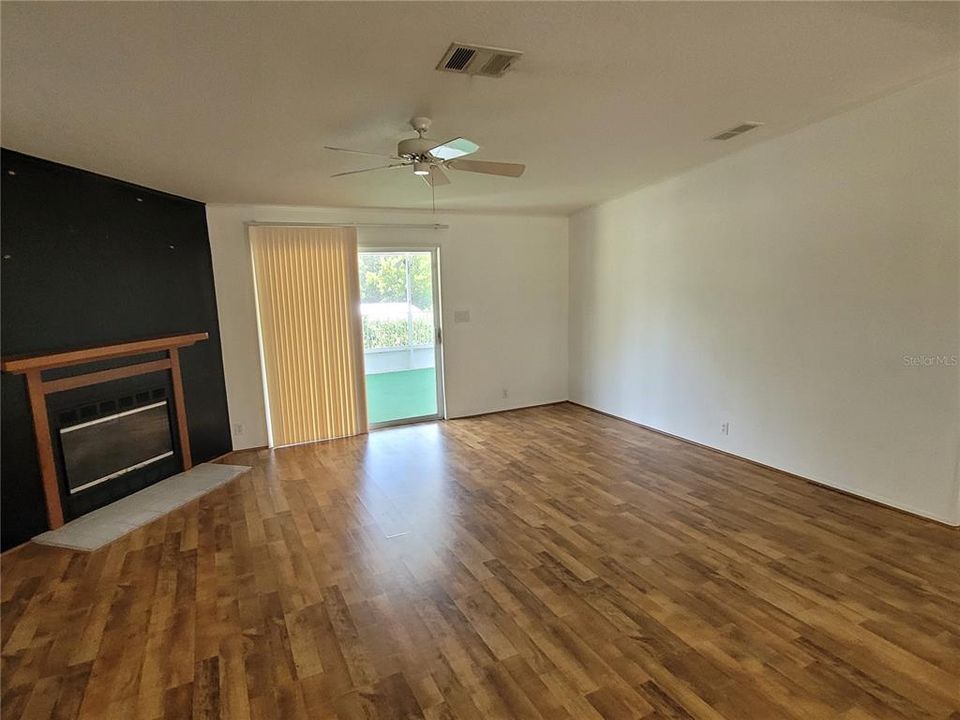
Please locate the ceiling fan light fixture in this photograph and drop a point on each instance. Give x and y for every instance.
(455, 148)
(421, 168)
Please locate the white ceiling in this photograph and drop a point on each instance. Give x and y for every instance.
(232, 102)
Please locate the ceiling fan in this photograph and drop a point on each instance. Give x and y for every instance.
(430, 158)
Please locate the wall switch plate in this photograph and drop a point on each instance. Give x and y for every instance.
(461, 316)
(238, 428)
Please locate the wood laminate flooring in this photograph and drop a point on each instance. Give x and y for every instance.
(544, 563)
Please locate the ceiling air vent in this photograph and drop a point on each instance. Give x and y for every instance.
(477, 60)
(735, 131)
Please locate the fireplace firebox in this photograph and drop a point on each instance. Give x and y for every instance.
(111, 439)
(100, 450)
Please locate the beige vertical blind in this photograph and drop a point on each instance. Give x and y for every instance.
(308, 303)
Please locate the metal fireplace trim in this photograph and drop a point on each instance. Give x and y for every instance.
(124, 471)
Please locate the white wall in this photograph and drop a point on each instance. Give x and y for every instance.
(509, 271)
(784, 290)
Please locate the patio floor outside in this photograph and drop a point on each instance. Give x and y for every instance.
(401, 394)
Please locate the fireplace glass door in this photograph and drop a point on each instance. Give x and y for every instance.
(111, 446)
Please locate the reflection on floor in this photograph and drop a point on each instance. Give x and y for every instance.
(404, 394)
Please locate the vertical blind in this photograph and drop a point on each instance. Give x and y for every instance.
(308, 306)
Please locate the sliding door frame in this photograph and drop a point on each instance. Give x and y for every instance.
(434, 251)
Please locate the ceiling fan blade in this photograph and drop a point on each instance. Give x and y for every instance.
(489, 168)
(458, 147)
(382, 167)
(436, 177)
(360, 152)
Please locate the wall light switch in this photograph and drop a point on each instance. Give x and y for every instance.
(461, 316)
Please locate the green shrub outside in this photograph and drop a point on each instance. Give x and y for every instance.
(380, 334)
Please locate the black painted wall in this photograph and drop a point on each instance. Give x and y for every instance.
(88, 260)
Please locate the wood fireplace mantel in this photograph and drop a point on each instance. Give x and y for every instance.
(32, 367)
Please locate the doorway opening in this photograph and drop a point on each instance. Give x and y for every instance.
(399, 306)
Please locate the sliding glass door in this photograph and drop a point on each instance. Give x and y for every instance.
(399, 296)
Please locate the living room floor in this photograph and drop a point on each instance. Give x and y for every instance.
(542, 563)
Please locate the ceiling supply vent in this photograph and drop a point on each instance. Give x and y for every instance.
(735, 131)
(477, 60)
(459, 59)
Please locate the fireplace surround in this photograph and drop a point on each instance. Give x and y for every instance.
(111, 430)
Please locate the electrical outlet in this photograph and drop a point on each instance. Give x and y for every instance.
(725, 428)
(238, 429)
(506, 393)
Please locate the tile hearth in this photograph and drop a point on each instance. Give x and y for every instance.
(104, 525)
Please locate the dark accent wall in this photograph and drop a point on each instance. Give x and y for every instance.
(88, 260)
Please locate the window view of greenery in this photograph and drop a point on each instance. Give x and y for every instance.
(388, 320)
(379, 334)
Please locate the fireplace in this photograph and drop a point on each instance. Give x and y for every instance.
(97, 451)
(106, 423)
(112, 439)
